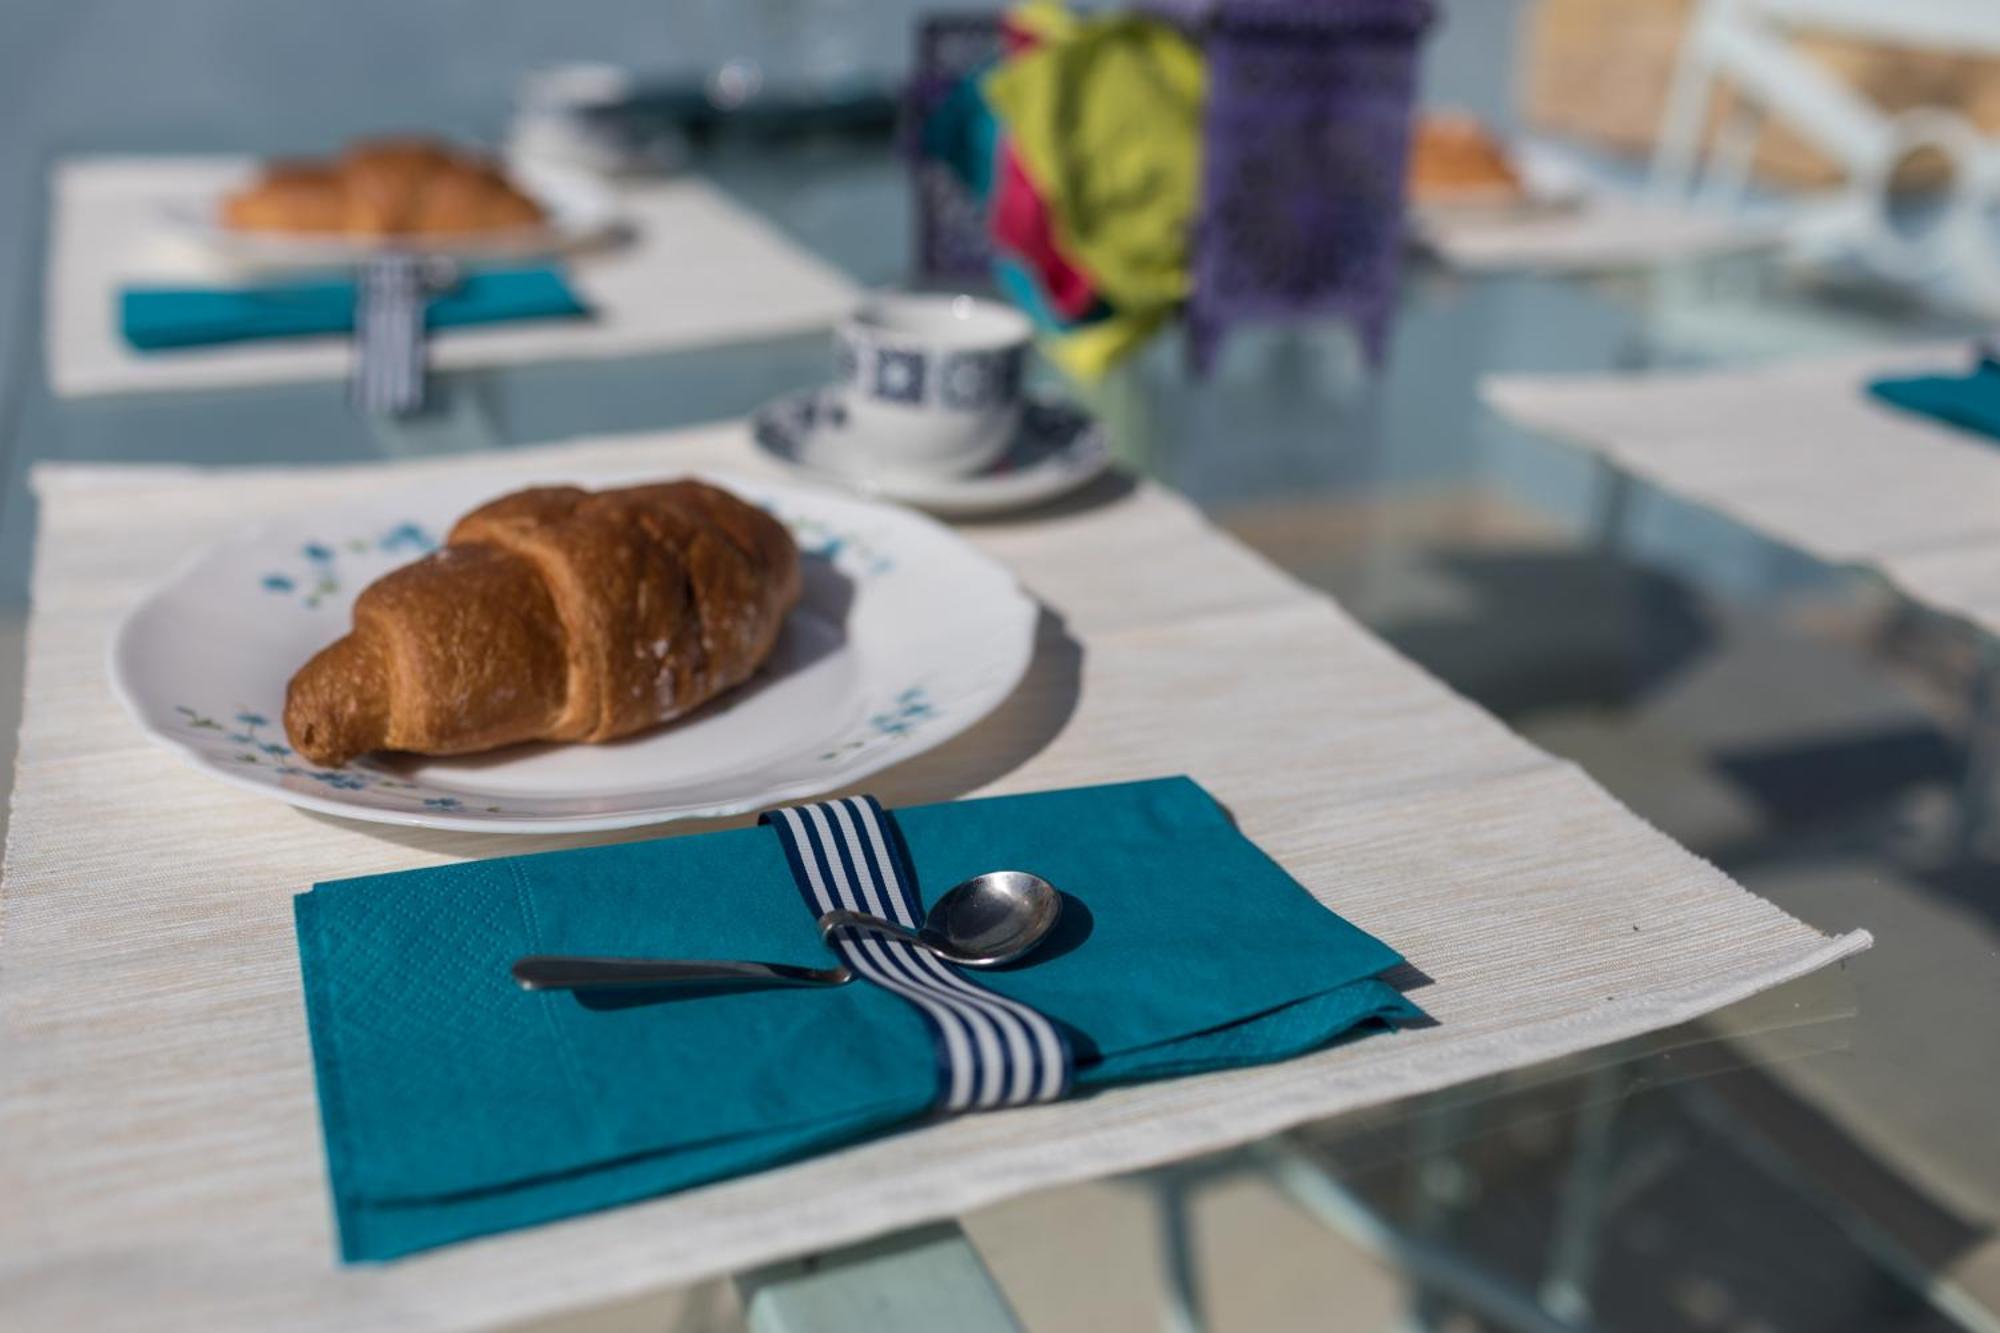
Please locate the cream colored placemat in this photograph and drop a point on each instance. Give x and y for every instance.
(162, 1154)
(1803, 453)
(698, 270)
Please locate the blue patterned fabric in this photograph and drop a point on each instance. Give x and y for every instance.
(455, 1104)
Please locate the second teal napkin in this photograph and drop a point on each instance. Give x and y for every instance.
(1970, 401)
(157, 318)
(456, 1105)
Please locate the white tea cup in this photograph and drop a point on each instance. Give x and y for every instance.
(927, 386)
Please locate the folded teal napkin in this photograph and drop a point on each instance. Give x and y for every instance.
(455, 1104)
(1970, 401)
(154, 318)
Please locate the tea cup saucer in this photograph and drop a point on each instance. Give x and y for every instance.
(1056, 448)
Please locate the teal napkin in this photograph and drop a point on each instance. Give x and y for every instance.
(155, 318)
(1971, 402)
(455, 1104)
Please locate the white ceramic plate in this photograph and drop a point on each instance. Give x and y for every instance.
(906, 636)
(1057, 448)
(580, 212)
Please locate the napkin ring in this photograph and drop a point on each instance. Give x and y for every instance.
(991, 1050)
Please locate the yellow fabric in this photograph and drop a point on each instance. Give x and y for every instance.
(1107, 120)
(1089, 351)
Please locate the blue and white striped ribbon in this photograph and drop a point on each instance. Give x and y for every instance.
(389, 336)
(991, 1050)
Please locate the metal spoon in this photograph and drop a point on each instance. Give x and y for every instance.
(988, 920)
(564, 972)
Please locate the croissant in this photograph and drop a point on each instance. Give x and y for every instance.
(1452, 154)
(553, 614)
(292, 196)
(380, 188)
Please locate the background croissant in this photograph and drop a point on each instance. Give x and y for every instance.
(553, 614)
(383, 187)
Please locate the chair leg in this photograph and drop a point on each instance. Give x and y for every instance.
(1677, 147)
(1579, 1218)
(1979, 787)
(1429, 1264)
(1173, 1194)
(894, 1284)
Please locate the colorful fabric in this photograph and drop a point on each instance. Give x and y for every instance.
(1082, 148)
(1089, 351)
(1023, 232)
(960, 132)
(1107, 122)
(1034, 24)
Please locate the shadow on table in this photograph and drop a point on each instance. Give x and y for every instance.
(1407, 976)
(1833, 777)
(1557, 629)
(1032, 716)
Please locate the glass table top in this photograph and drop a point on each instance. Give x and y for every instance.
(1820, 1157)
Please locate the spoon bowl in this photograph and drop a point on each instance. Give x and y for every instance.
(992, 919)
(988, 920)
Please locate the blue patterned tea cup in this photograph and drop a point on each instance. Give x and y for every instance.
(926, 385)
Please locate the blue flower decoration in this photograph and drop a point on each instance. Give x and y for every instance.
(441, 802)
(278, 583)
(253, 719)
(316, 553)
(407, 536)
(912, 707)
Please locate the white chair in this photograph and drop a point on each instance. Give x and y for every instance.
(1747, 45)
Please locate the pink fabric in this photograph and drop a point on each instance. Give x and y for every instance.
(1020, 222)
(1017, 37)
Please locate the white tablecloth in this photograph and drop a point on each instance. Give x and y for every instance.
(162, 1158)
(1802, 452)
(699, 270)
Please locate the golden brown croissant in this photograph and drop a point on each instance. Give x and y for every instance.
(292, 196)
(1453, 155)
(384, 187)
(553, 614)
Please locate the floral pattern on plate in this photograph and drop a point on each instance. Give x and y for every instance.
(247, 747)
(320, 578)
(909, 710)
